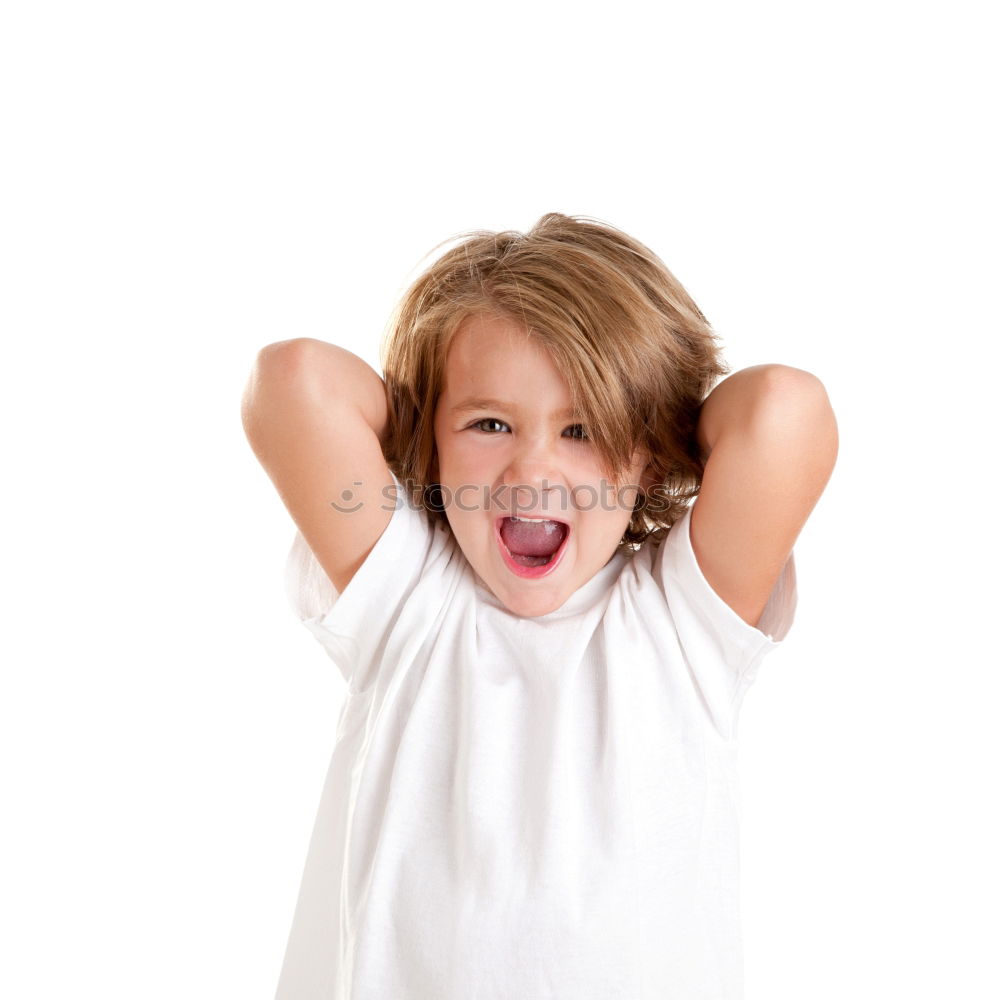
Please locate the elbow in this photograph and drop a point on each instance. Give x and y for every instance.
(277, 369)
(797, 407)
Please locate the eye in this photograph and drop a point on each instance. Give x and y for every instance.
(486, 420)
(579, 433)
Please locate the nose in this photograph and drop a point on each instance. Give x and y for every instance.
(530, 477)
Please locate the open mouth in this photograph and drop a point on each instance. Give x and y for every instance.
(529, 543)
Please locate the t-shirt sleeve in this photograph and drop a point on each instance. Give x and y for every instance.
(353, 624)
(722, 650)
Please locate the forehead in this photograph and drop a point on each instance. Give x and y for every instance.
(492, 336)
(488, 346)
(495, 360)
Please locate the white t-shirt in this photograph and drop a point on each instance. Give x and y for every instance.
(526, 808)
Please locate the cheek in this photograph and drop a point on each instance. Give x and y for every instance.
(627, 495)
(449, 448)
(460, 456)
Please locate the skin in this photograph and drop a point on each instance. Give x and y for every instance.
(771, 441)
(528, 455)
(316, 417)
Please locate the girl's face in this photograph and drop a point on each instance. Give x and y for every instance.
(523, 453)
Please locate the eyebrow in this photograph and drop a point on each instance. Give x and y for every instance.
(480, 403)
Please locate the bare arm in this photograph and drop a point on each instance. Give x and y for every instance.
(334, 370)
(771, 441)
(315, 416)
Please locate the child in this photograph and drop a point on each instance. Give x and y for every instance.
(533, 792)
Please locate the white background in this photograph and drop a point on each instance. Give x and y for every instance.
(184, 183)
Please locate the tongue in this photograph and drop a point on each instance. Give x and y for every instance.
(532, 538)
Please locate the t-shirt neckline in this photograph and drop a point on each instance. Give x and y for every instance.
(580, 600)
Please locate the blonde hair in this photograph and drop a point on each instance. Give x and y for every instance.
(636, 352)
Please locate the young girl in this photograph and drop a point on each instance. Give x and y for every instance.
(545, 643)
